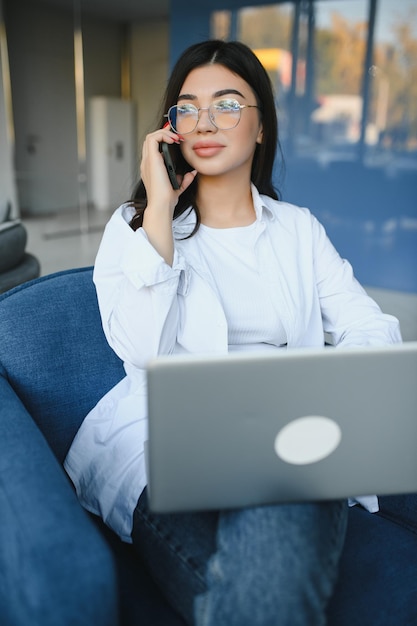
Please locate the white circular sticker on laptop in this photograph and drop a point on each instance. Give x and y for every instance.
(307, 439)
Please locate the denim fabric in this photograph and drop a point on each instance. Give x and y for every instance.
(55, 568)
(249, 567)
(401, 509)
(377, 585)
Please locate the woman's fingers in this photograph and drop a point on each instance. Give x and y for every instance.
(153, 170)
(187, 180)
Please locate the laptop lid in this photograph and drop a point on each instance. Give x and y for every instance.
(248, 429)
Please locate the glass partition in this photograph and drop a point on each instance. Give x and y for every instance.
(345, 77)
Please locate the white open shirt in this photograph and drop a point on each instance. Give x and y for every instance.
(150, 308)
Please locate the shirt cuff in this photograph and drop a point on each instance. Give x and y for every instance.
(145, 267)
(370, 503)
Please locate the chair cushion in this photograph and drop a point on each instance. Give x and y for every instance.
(54, 352)
(54, 567)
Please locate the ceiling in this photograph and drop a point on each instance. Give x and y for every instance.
(120, 10)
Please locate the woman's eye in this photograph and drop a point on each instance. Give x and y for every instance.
(186, 109)
(227, 105)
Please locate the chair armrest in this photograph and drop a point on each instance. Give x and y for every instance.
(55, 568)
(401, 509)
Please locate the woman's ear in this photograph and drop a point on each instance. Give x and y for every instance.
(260, 136)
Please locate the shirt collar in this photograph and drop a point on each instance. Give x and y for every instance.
(261, 207)
(184, 224)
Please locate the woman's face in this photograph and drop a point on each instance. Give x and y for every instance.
(209, 150)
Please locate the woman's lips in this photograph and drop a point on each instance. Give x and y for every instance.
(207, 149)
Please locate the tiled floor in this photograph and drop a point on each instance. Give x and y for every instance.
(63, 240)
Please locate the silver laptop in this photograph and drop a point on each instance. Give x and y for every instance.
(304, 424)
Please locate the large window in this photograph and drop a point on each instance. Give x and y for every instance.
(345, 78)
(346, 87)
(394, 76)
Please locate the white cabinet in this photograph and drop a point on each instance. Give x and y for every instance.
(112, 151)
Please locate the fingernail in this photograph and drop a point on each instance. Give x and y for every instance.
(166, 125)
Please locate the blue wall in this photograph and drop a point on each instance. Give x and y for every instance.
(369, 213)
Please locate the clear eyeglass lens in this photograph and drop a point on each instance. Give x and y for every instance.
(183, 118)
(225, 114)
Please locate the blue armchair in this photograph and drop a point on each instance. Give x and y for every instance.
(61, 566)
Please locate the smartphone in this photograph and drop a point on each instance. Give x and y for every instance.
(164, 148)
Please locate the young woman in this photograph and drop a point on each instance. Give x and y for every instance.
(218, 265)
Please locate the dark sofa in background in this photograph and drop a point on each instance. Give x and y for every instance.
(16, 265)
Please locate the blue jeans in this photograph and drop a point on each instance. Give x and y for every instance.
(261, 566)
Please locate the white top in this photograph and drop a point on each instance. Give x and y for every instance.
(149, 308)
(252, 320)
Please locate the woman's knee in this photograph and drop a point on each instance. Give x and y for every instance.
(279, 560)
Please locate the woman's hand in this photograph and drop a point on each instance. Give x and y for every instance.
(161, 197)
(159, 190)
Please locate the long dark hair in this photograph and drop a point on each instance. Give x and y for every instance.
(239, 59)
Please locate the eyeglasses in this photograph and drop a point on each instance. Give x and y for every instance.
(224, 114)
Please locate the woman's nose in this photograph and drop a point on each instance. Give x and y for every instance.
(204, 121)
